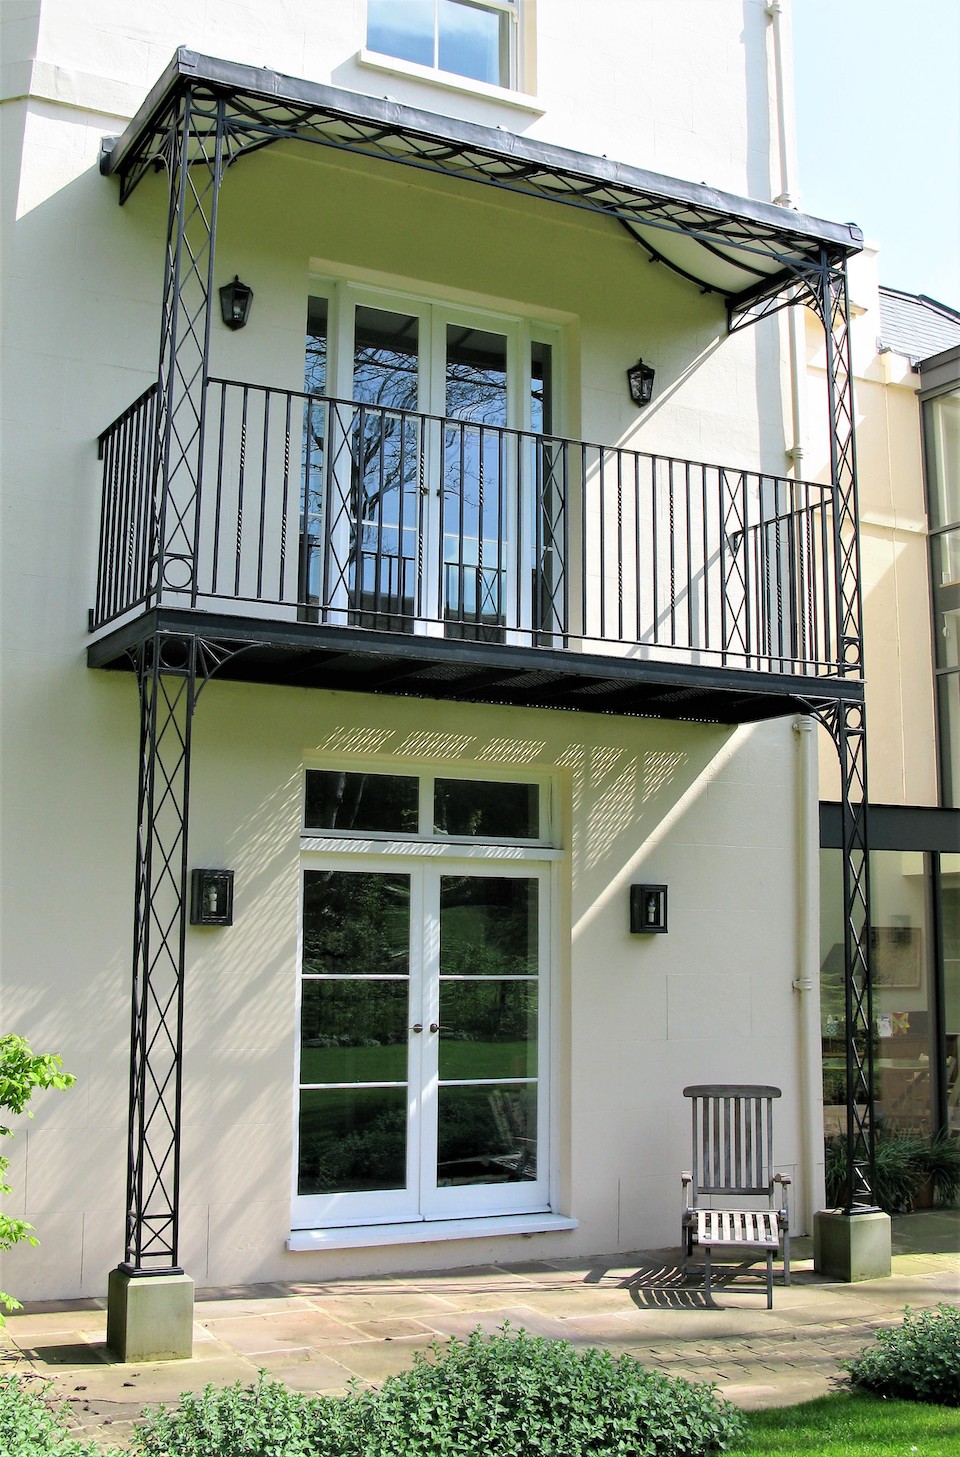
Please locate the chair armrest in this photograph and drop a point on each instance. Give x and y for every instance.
(784, 1180)
(686, 1177)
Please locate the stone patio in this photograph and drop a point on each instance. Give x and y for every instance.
(319, 1337)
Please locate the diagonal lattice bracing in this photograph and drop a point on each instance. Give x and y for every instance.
(250, 110)
(166, 675)
(193, 153)
(846, 723)
(171, 670)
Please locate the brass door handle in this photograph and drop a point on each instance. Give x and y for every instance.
(436, 1027)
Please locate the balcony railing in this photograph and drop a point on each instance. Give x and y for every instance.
(317, 510)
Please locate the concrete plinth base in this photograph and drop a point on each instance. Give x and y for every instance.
(851, 1246)
(150, 1317)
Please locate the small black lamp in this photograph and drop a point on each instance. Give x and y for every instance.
(211, 898)
(648, 910)
(235, 301)
(640, 379)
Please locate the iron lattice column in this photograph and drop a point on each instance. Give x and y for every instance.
(848, 727)
(166, 668)
(194, 155)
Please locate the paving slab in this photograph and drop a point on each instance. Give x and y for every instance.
(318, 1336)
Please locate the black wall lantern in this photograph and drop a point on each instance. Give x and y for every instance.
(211, 898)
(235, 301)
(640, 379)
(648, 910)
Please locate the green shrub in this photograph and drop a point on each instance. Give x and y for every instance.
(506, 1395)
(918, 1360)
(29, 1427)
(515, 1395)
(941, 1160)
(899, 1171)
(264, 1420)
(22, 1073)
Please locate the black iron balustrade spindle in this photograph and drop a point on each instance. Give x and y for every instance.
(404, 518)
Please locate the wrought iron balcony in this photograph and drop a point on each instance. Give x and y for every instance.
(325, 514)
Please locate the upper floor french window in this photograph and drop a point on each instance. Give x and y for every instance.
(472, 38)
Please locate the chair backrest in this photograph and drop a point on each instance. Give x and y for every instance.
(732, 1137)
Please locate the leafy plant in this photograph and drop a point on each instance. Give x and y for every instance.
(898, 1171)
(903, 1162)
(30, 1427)
(264, 1420)
(505, 1395)
(22, 1073)
(515, 1395)
(940, 1159)
(918, 1360)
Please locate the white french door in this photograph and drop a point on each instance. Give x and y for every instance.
(423, 1040)
(429, 489)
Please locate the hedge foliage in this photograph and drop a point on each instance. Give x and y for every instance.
(918, 1360)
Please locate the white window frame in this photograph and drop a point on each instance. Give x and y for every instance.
(506, 89)
(329, 1221)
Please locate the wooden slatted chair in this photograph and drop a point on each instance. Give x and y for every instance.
(732, 1171)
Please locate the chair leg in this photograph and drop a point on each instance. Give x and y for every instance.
(706, 1275)
(786, 1257)
(769, 1279)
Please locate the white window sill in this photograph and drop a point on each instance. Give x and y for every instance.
(426, 1231)
(448, 81)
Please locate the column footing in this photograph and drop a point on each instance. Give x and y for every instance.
(852, 1247)
(150, 1314)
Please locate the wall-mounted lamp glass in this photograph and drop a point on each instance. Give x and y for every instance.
(640, 379)
(235, 301)
(211, 898)
(648, 910)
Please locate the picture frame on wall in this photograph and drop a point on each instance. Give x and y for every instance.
(896, 956)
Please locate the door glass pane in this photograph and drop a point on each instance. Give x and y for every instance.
(488, 925)
(355, 925)
(352, 1139)
(315, 426)
(474, 41)
(353, 1030)
(375, 803)
(478, 504)
(386, 455)
(487, 1134)
(488, 1019)
(471, 807)
(488, 1029)
(541, 388)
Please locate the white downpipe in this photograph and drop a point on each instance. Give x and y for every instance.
(783, 102)
(788, 196)
(807, 980)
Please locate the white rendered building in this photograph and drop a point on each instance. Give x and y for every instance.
(400, 606)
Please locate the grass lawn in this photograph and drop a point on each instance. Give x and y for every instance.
(852, 1425)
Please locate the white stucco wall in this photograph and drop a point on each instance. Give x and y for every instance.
(680, 89)
(708, 810)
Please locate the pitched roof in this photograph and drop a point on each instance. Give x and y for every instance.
(915, 325)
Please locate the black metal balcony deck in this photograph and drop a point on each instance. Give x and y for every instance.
(354, 546)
